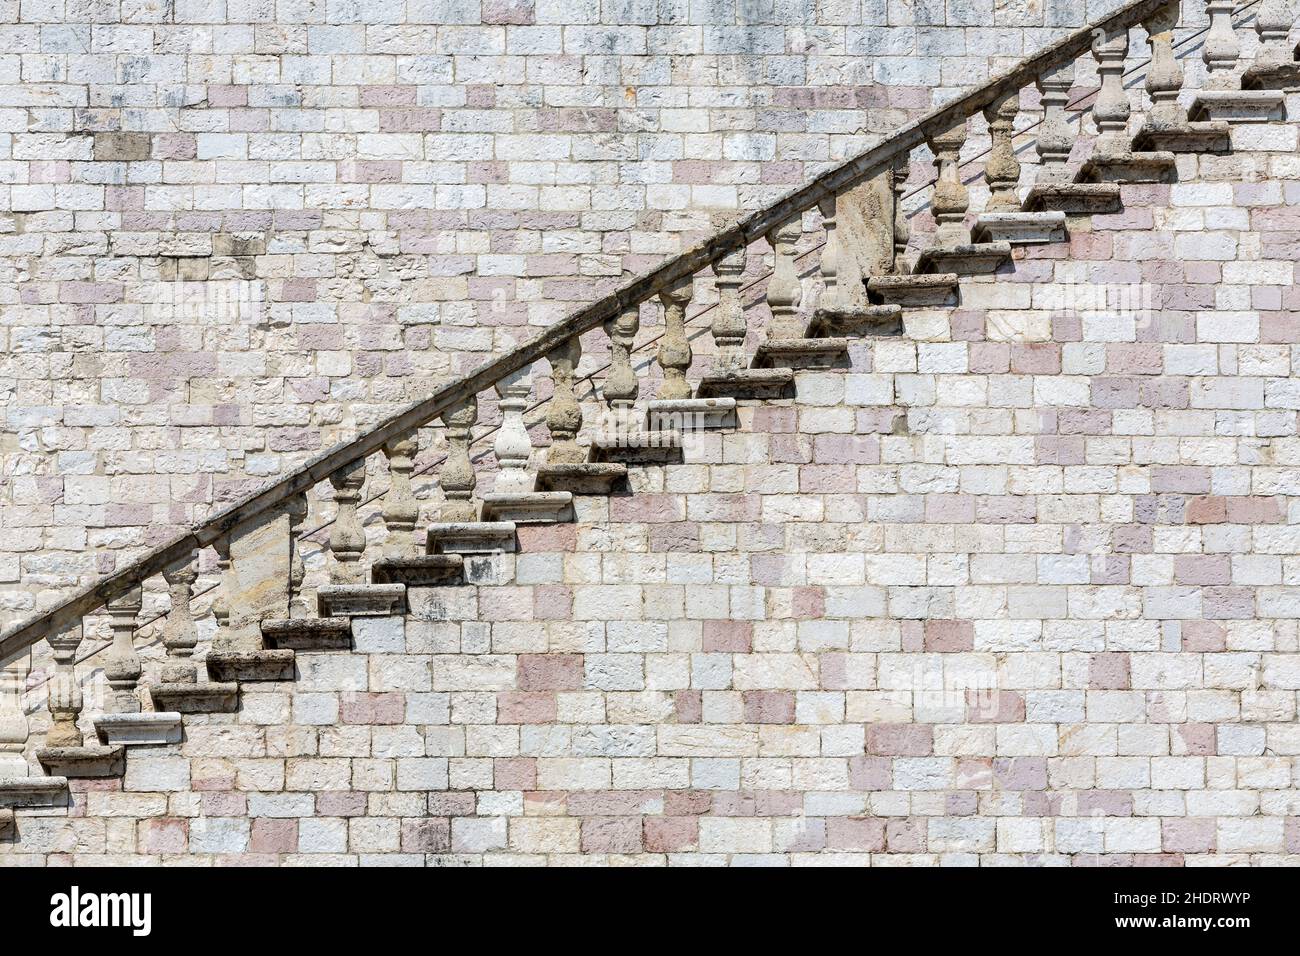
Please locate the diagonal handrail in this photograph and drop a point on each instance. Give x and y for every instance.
(735, 236)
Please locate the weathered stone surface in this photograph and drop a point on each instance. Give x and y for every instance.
(747, 383)
(33, 791)
(1020, 228)
(1133, 167)
(308, 634)
(84, 761)
(582, 478)
(261, 665)
(915, 289)
(976, 258)
(1238, 106)
(1073, 198)
(360, 600)
(802, 353)
(471, 537)
(690, 415)
(421, 570)
(638, 447)
(148, 728)
(201, 697)
(528, 507)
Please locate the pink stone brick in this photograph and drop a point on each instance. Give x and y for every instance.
(949, 636)
(1191, 835)
(900, 740)
(526, 707)
(1106, 803)
(995, 707)
(727, 637)
(1227, 603)
(611, 834)
(870, 773)
(430, 835)
(552, 602)
(688, 706)
(671, 834)
(1108, 671)
(271, 835)
(855, 833)
(1254, 509)
(990, 358)
(515, 773)
(549, 671)
(1036, 358)
(164, 835)
(1207, 509)
(905, 836)
(1202, 569)
(768, 706)
(1020, 773)
(365, 708)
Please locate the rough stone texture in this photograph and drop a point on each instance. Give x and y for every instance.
(377, 194)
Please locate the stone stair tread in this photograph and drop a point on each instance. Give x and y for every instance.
(810, 352)
(308, 633)
(642, 446)
(582, 478)
(267, 664)
(856, 320)
(196, 697)
(418, 570)
(31, 791)
(90, 760)
(1073, 198)
(931, 288)
(690, 414)
(146, 727)
(972, 258)
(528, 507)
(470, 537)
(1021, 228)
(360, 600)
(1271, 76)
(1205, 136)
(1238, 106)
(748, 383)
(1156, 166)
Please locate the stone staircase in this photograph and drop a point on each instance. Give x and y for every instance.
(268, 610)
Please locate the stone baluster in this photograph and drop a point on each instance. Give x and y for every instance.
(401, 511)
(122, 668)
(950, 198)
(1164, 75)
(180, 636)
(830, 262)
(621, 385)
(1110, 111)
(728, 328)
(13, 719)
(564, 416)
(1221, 49)
(1001, 169)
(297, 508)
(513, 447)
(457, 477)
(783, 290)
(902, 232)
(347, 540)
(221, 603)
(675, 348)
(65, 700)
(1273, 26)
(1055, 139)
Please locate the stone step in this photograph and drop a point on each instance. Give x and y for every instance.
(1135, 167)
(1073, 198)
(360, 600)
(970, 259)
(419, 571)
(308, 633)
(1239, 106)
(33, 791)
(648, 446)
(583, 478)
(934, 288)
(262, 665)
(748, 383)
(528, 507)
(862, 320)
(690, 414)
(83, 762)
(803, 353)
(1020, 228)
(471, 537)
(197, 697)
(148, 727)
(1204, 137)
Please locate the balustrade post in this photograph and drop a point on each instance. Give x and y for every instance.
(1110, 111)
(513, 447)
(297, 509)
(1273, 26)
(13, 719)
(181, 635)
(347, 539)
(728, 327)
(675, 348)
(457, 477)
(1221, 49)
(830, 261)
(122, 668)
(65, 700)
(902, 232)
(950, 199)
(783, 290)
(1055, 138)
(221, 603)
(621, 385)
(564, 416)
(1164, 75)
(1001, 169)
(401, 511)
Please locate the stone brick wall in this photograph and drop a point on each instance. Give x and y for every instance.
(376, 194)
(1020, 585)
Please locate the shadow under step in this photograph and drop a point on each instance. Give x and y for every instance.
(968, 259)
(308, 633)
(32, 791)
(1073, 198)
(582, 478)
(1158, 166)
(360, 600)
(690, 414)
(262, 665)
(862, 320)
(1272, 76)
(1238, 106)
(140, 729)
(1210, 137)
(198, 697)
(528, 507)
(648, 446)
(82, 762)
(1020, 228)
(419, 571)
(803, 353)
(932, 288)
(748, 383)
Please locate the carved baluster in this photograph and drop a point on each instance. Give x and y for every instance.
(1221, 50)
(830, 264)
(783, 290)
(65, 699)
(1164, 75)
(564, 417)
(401, 510)
(1273, 25)
(297, 508)
(13, 719)
(675, 348)
(513, 448)
(122, 669)
(1055, 139)
(348, 539)
(1001, 170)
(457, 477)
(221, 603)
(621, 385)
(180, 636)
(950, 198)
(728, 326)
(1111, 109)
(902, 233)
